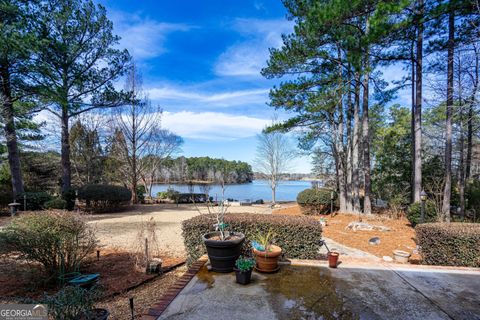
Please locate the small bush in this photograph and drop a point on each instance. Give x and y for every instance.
(414, 212)
(141, 193)
(35, 200)
(449, 244)
(69, 197)
(70, 302)
(298, 236)
(56, 203)
(315, 201)
(59, 240)
(162, 195)
(104, 198)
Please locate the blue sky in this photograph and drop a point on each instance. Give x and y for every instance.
(201, 62)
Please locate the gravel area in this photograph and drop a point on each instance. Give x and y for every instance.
(121, 229)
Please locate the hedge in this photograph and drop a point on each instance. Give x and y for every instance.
(315, 201)
(298, 236)
(449, 244)
(103, 197)
(56, 203)
(35, 200)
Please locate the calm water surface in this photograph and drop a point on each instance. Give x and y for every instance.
(258, 189)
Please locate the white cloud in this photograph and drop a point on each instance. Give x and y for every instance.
(187, 96)
(212, 125)
(143, 37)
(247, 58)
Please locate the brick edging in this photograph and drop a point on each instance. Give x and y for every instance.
(158, 308)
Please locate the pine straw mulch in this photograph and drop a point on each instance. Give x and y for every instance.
(401, 235)
(21, 280)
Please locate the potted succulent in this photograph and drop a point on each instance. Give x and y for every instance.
(223, 247)
(243, 269)
(266, 253)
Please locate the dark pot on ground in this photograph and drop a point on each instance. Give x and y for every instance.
(94, 314)
(243, 277)
(267, 261)
(223, 254)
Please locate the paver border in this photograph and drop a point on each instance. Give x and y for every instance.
(158, 308)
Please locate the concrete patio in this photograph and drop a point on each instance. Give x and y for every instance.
(313, 291)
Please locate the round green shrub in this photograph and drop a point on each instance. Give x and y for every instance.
(162, 195)
(56, 203)
(35, 200)
(414, 212)
(315, 201)
(103, 197)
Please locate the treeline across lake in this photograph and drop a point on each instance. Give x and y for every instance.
(203, 169)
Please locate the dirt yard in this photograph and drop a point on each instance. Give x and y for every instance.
(121, 229)
(401, 235)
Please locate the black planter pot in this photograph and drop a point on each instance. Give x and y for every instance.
(243, 277)
(223, 254)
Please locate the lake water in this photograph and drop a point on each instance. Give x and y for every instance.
(258, 189)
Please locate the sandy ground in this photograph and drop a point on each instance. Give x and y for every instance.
(121, 229)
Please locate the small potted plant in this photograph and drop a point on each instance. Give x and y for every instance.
(243, 269)
(333, 259)
(266, 253)
(223, 247)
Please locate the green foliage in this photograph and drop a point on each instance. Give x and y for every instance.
(315, 201)
(449, 244)
(162, 195)
(104, 198)
(35, 200)
(86, 152)
(199, 169)
(297, 236)
(244, 264)
(69, 197)
(264, 239)
(141, 193)
(414, 212)
(472, 195)
(392, 148)
(56, 203)
(70, 302)
(60, 241)
(41, 171)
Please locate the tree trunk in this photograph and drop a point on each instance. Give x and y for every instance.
(10, 133)
(470, 119)
(273, 195)
(367, 205)
(412, 124)
(417, 168)
(66, 165)
(461, 171)
(448, 128)
(356, 147)
(349, 168)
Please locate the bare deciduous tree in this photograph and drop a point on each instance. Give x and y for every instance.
(274, 153)
(134, 126)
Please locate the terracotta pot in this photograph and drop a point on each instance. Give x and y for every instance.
(333, 259)
(223, 254)
(267, 261)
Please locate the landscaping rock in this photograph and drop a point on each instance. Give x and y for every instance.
(365, 227)
(374, 241)
(387, 259)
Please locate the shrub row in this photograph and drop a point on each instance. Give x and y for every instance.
(104, 198)
(315, 201)
(449, 244)
(35, 200)
(298, 236)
